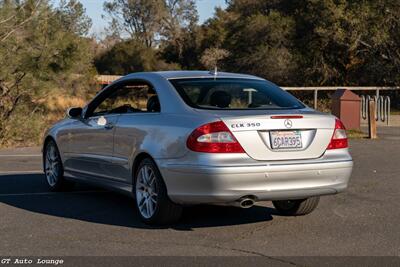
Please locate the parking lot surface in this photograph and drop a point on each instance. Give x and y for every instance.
(89, 221)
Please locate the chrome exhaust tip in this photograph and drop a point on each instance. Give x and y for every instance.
(244, 203)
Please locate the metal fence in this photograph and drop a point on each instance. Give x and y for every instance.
(376, 89)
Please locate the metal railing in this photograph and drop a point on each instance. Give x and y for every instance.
(377, 90)
(106, 79)
(382, 107)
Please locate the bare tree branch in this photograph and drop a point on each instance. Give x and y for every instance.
(16, 27)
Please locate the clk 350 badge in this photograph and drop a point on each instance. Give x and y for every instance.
(245, 125)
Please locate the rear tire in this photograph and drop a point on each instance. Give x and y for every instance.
(296, 207)
(53, 168)
(152, 201)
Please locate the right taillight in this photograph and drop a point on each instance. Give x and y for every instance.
(339, 137)
(213, 137)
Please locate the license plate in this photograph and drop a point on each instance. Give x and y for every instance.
(285, 139)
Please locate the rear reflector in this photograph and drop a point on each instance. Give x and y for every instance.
(287, 117)
(339, 137)
(213, 137)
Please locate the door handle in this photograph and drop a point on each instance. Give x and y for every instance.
(109, 126)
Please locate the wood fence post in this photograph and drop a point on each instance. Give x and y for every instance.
(372, 120)
(315, 99)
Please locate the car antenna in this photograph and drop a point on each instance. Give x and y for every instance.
(214, 72)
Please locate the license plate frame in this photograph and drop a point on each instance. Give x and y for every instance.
(286, 140)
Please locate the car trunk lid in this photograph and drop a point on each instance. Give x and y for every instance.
(282, 136)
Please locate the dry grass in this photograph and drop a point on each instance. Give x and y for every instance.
(28, 124)
(356, 134)
(62, 102)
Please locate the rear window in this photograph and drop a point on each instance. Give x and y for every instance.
(223, 93)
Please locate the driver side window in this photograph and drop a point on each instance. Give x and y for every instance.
(129, 98)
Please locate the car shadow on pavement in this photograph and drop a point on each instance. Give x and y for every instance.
(86, 203)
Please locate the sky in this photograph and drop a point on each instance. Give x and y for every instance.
(94, 9)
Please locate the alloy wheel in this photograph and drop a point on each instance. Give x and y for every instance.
(52, 165)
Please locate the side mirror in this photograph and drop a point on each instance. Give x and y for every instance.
(74, 113)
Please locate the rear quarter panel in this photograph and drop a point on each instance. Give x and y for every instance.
(162, 136)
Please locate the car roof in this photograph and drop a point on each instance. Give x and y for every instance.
(198, 74)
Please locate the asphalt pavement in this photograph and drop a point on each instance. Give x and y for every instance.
(364, 221)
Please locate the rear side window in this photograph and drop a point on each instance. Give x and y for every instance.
(126, 99)
(223, 93)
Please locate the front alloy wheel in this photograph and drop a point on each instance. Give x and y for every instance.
(53, 168)
(152, 201)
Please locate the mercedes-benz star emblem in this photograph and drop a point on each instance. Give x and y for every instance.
(288, 124)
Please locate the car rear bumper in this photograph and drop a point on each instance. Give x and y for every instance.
(195, 184)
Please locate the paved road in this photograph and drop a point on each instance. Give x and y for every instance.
(89, 221)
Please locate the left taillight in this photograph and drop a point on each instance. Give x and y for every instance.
(339, 137)
(213, 137)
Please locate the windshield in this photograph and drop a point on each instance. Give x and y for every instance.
(224, 93)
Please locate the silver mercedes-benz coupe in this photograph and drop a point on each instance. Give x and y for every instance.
(178, 138)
